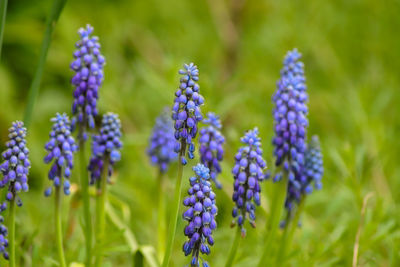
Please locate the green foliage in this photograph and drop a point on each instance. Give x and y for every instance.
(351, 52)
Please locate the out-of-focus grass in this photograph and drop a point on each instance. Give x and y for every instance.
(351, 55)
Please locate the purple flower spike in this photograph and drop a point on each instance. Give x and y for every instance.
(200, 214)
(290, 116)
(15, 170)
(248, 172)
(186, 111)
(312, 172)
(105, 146)
(88, 66)
(162, 142)
(211, 146)
(60, 150)
(290, 126)
(314, 169)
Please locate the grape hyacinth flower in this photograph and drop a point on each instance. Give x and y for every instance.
(186, 114)
(60, 148)
(313, 169)
(290, 116)
(186, 111)
(290, 126)
(88, 66)
(15, 168)
(162, 142)
(105, 146)
(161, 152)
(200, 215)
(211, 146)
(248, 172)
(311, 173)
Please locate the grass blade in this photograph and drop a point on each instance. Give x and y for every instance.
(3, 12)
(55, 12)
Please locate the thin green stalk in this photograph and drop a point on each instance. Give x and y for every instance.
(160, 215)
(234, 248)
(290, 228)
(57, 211)
(55, 12)
(138, 259)
(100, 214)
(3, 12)
(11, 233)
(175, 213)
(84, 182)
(273, 222)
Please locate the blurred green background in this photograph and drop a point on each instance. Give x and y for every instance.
(351, 55)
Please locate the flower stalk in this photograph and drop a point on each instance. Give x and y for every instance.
(274, 221)
(58, 223)
(11, 227)
(84, 184)
(288, 233)
(160, 215)
(100, 213)
(234, 248)
(175, 212)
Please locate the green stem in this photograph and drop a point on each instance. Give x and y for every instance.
(100, 214)
(290, 228)
(138, 259)
(84, 181)
(11, 229)
(235, 245)
(55, 12)
(274, 219)
(57, 211)
(160, 215)
(175, 212)
(3, 12)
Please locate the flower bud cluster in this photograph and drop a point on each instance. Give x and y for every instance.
(60, 150)
(162, 142)
(248, 172)
(88, 66)
(186, 111)
(212, 146)
(105, 146)
(200, 215)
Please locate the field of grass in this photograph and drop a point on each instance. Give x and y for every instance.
(352, 61)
